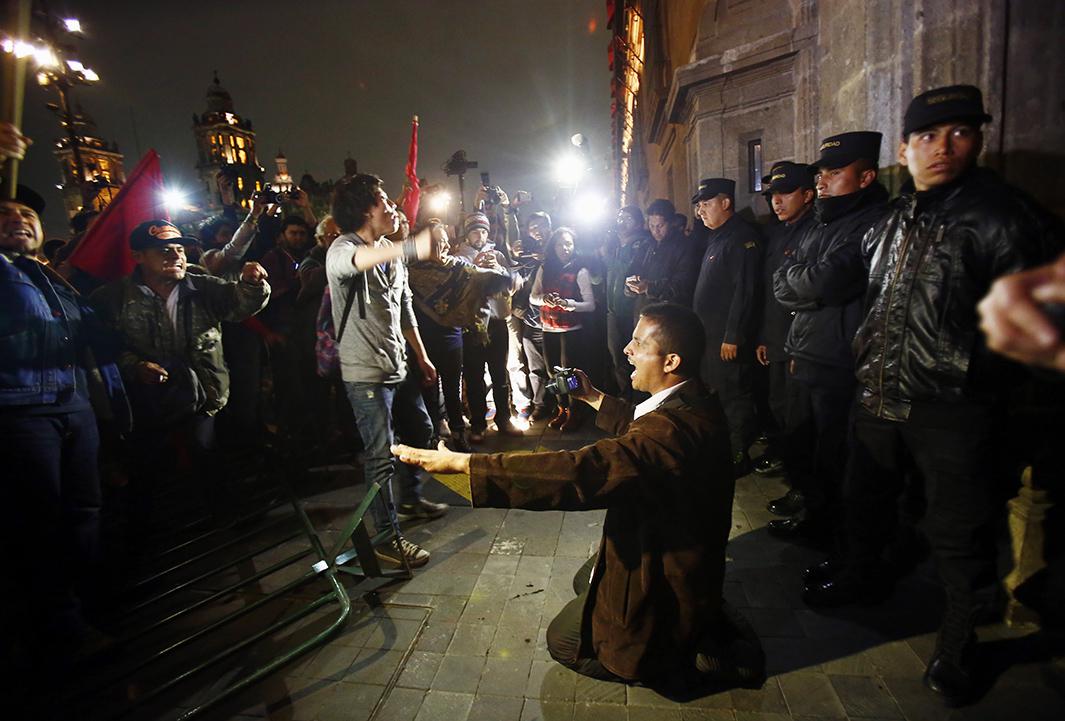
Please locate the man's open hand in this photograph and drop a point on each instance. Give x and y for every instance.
(440, 461)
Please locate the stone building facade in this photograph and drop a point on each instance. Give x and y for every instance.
(225, 140)
(727, 87)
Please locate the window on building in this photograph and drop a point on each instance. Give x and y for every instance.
(629, 75)
(240, 142)
(240, 183)
(243, 157)
(258, 185)
(754, 165)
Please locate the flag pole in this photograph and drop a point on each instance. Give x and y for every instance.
(14, 91)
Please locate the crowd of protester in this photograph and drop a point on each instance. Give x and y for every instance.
(846, 330)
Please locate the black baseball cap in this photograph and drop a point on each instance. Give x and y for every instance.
(157, 234)
(953, 102)
(840, 150)
(25, 195)
(787, 177)
(713, 187)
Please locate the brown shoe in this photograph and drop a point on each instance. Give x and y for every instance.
(560, 419)
(573, 421)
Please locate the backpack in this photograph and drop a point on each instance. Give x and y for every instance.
(326, 341)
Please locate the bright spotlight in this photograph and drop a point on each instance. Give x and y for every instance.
(439, 202)
(76, 66)
(174, 199)
(569, 169)
(90, 75)
(577, 139)
(73, 25)
(45, 57)
(590, 206)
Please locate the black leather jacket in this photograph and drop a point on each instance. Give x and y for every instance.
(824, 282)
(931, 261)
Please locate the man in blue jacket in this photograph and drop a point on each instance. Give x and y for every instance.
(48, 433)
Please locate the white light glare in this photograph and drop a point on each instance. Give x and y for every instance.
(174, 199)
(23, 49)
(45, 57)
(438, 202)
(73, 25)
(76, 66)
(590, 206)
(568, 170)
(90, 75)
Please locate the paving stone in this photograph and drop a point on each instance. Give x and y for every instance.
(773, 622)
(500, 565)
(768, 699)
(436, 636)
(538, 710)
(374, 666)
(643, 696)
(648, 713)
(350, 702)
(811, 694)
(551, 682)
(760, 716)
(865, 696)
(420, 669)
(393, 633)
(471, 639)
(895, 658)
(402, 704)
(495, 708)
(599, 712)
(445, 706)
(707, 714)
(331, 661)
(786, 655)
(458, 673)
(590, 690)
(917, 702)
(505, 676)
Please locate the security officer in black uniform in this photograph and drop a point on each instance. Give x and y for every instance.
(789, 190)
(929, 391)
(726, 301)
(824, 284)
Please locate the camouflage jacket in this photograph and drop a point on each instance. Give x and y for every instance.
(140, 318)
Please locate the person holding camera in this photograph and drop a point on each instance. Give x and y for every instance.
(651, 609)
(487, 341)
(562, 289)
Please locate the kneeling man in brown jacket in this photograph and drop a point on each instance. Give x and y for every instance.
(653, 611)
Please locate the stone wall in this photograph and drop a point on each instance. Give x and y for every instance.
(794, 71)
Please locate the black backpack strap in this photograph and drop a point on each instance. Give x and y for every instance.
(354, 287)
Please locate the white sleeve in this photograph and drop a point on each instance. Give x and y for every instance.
(587, 302)
(536, 293)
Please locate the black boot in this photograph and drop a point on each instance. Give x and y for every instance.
(790, 504)
(950, 672)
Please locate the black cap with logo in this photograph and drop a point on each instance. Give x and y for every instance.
(787, 177)
(840, 150)
(713, 187)
(157, 234)
(953, 102)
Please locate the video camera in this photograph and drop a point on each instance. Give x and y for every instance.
(276, 196)
(563, 382)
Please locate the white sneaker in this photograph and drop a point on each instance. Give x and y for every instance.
(394, 551)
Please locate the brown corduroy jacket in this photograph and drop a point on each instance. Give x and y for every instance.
(666, 482)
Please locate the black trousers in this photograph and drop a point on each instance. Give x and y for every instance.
(52, 528)
(818, 419)
(735, 387)
(475, 356)
(532, 341)
(952, 446)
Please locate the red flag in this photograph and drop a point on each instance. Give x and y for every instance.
(412, 189)
(103, 251)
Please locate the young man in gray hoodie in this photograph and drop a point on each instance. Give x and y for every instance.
(373, 348)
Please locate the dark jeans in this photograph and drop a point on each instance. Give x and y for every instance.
(952, 444)
(532, 340)
(735, 387)
(241, 421)
(52, 527)
(385, 413)
(818, 420)
(444, 347)
(568, 350)
(476, 355)
(618, 334)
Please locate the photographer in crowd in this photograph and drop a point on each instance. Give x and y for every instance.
(653, 610)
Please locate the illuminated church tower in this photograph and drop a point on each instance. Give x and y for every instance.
(226, 140)
(101, 174)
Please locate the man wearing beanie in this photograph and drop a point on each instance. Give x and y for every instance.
(726, 302)
(823, 284)
(488, 343)
(927, 386)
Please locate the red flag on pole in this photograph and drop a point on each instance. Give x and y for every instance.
(103, 251)
(412, 189)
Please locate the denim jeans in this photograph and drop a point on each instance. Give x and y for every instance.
(386, 413)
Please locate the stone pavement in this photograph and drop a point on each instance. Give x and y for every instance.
(465, 637)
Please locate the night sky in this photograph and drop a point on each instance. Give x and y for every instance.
(509, 81)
